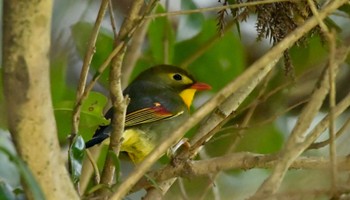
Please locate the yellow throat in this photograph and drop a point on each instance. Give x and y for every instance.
(187, 96)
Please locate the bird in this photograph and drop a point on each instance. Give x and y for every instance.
(160, 100)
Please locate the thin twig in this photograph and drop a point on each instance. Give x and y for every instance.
(115, 51)
(166, 39)
(87, 169)
(94, 166)
(130, 24)
(274, 117)
(217, 8)
(101, 69)
(112, 19)
(298, 140)
(342, 130)
(331, 78)
(316, 14)
(205, 46)
(94, 152)
(85, 69)
(245, 123)
(133, 52)
(226, 108)
(250, 113)
(182, 188)
(259, 124)
(332, 102)
(308, 194)
(274, 53)
(201, 50)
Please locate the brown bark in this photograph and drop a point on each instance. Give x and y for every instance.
(27, 93)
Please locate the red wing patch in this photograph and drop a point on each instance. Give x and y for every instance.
(147, 115)
(160, 110)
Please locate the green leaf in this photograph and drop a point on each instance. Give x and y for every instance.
(81, 32)
(264, 139)
(26, 175)
(18, 191)
(159, 32)
(331, 24)
(305, 58)
(222, 61)
(91, 116)
(270, 140)
(189, 25)
(76, 158)
(345, 8)
(6, 191)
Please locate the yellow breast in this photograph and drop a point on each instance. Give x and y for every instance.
(136, 144)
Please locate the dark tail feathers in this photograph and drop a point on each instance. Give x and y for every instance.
(96, 140)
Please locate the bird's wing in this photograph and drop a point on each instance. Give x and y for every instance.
(151, 114)
(141, 116)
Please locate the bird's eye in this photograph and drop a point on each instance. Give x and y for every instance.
(177, 77)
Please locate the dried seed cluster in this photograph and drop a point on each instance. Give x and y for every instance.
(274, 21)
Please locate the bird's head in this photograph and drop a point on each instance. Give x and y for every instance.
(174, 78)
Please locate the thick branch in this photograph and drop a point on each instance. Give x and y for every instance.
(26, 40)
(244, 161)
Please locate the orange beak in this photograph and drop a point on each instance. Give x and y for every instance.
(188, 94)
(200, 86)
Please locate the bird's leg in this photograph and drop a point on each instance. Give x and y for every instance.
(182, 145)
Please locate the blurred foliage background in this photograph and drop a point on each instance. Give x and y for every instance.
(178, 40)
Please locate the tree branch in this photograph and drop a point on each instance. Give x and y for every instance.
(331, 38)
(80, 96)
(217, 8)
(133, 52)
(118, 101)
(25, 72)
(274, 53)
(298, 140)
(243, 161)
(342, 130)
